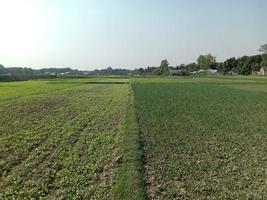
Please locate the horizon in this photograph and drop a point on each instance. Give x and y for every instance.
(114, 67)
(89, 35)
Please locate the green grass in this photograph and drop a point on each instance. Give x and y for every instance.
(60, 140)
(203, 138)
(14, 90)
(130, 183)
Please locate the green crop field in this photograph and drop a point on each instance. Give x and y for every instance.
(60, 139)
(203, 138)
(140, 138)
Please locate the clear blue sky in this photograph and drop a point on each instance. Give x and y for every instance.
(89, 34)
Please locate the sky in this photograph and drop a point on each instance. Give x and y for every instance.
(94, 34)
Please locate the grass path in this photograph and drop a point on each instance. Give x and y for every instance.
(130, 174)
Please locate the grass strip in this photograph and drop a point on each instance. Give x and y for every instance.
(130, 183)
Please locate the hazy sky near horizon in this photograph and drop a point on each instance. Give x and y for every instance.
(89, 34)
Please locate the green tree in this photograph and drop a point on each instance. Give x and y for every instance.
(244, 66)
(219, 67)
(141, 71)
(164, 63)
(263, 49)
(255, 62)
(2, 70)
(256, 67)
(264, 60)
(192, 67)
(164, 68)
(229, 64)
(206, 61)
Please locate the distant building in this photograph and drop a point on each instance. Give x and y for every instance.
(64, 73)
(50, 73)
(176, 72)
(263, 71)
(212, 71)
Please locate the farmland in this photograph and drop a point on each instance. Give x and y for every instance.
(114, 138)
(203, 138)
(60, 139)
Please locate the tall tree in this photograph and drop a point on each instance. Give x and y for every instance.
(263, 49)
(229, 64)
(164, 68)
(220, 67)
(164, 63)
(206, 61)
(191, 67)
(264, 60)
(255, 62)
(141, 71)
(244, 66)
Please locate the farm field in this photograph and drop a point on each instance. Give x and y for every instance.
(203, 138)
(60, 139)
(13, 90)
(139, 138)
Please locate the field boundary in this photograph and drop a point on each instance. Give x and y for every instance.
(106, 82)
(130, 184)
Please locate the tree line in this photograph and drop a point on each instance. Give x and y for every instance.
(23, 71)
(244, 65)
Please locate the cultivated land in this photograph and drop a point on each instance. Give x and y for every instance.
(203, 138)
(113, 138)
(60, 139)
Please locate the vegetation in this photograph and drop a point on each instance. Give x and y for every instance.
(164, 68)
(229, 65)
(23, 71)
(263, 49)
(60, 139)
(20, 72)
(264, 60)
(17, 90)
(150, 138)
(206, 61)
(109, 72)
(203, 138)
(130, 183)
(245, 65)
